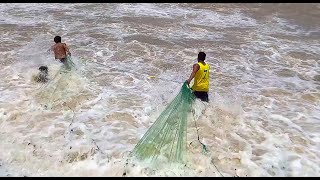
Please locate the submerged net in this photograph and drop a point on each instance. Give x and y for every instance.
(167, 137)
(54, 90)
(69, 65)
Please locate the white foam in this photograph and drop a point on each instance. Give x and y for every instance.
(112, 104)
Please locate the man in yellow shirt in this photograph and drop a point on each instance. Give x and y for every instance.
(200, 73)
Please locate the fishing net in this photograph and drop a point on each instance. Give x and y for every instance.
(61, 86)
(167, 137)
(69, 65)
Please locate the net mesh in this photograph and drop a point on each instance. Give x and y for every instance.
(167, 137)
(54, 91)
(69, 65)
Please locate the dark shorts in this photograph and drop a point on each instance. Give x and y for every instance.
(201, 95)
(63, 60)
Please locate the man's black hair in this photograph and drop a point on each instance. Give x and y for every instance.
(57, 39)
(43, 68)
(201, 56)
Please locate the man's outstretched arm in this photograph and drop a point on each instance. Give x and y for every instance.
(196, 67)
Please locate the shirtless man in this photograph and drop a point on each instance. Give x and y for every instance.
(60, 50)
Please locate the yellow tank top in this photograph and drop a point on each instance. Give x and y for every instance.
(201, 79)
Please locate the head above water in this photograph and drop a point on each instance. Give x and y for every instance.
(43, 68)
(57, 39)
(201, 56)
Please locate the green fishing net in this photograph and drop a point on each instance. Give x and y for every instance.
(167, 137)
(68, 65)
(59, 86)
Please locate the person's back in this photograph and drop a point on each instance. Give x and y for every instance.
(200, 73)
(59, 50)
(201, 78)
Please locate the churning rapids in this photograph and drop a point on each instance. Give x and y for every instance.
(263, 118)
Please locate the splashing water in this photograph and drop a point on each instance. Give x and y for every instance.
(131, 59)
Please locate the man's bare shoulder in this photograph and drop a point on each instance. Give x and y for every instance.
(60, 45)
